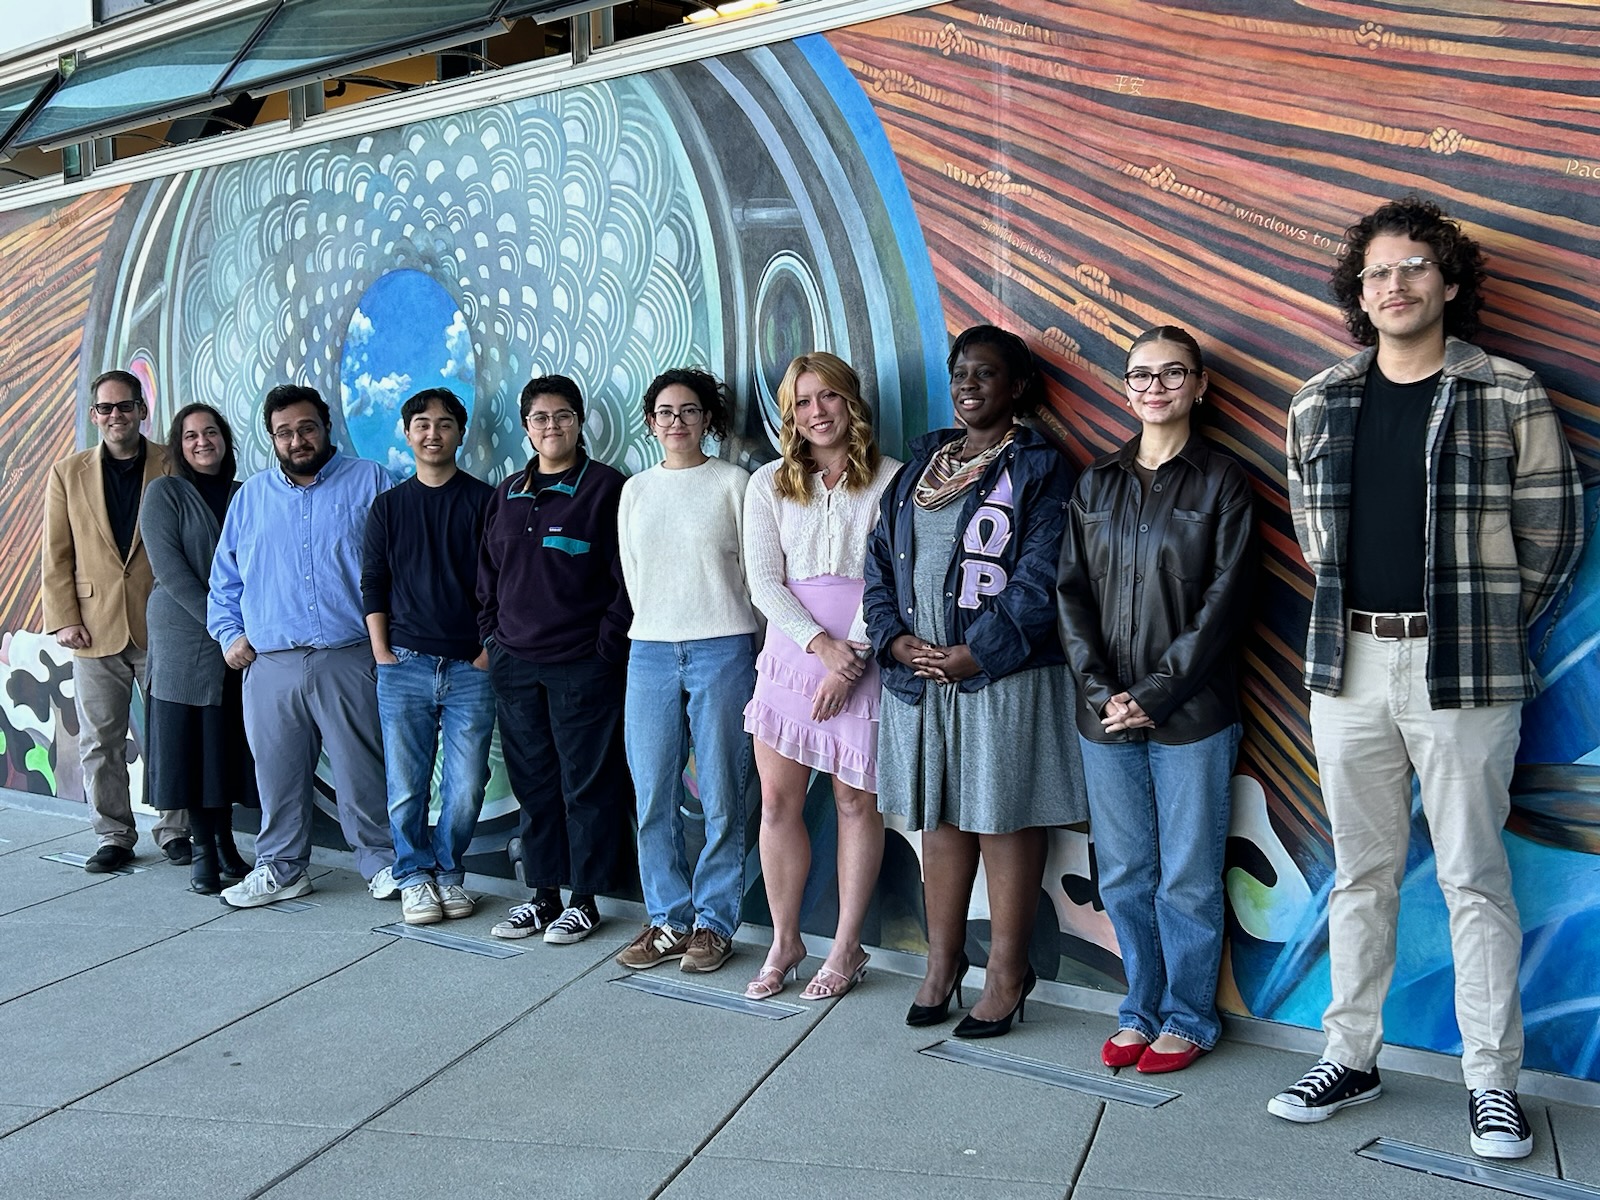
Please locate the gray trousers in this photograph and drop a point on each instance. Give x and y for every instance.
(104, 691)
(295, 703)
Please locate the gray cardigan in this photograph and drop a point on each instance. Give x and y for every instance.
(180, 535)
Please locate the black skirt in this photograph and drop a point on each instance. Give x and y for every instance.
(198, 754)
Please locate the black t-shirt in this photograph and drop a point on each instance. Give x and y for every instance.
(1389, 496)
(124, 480)
(420, 564)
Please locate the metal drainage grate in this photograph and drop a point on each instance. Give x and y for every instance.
(450, 941)
(1105, 1086)
(77, 860)
(694, 993)
(1474, 1170)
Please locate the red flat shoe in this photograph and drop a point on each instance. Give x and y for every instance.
(1114, 1054)
(1153, 1062)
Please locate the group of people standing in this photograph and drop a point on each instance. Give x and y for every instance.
(978, 644)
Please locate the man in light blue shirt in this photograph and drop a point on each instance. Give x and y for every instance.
(285, 607)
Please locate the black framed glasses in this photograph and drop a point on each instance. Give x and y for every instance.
(1172, 378)
(689, 414)
(121, 406)
(1410, 269)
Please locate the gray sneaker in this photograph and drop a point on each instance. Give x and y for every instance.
(456, 903)
(705, 951)
(261, 886)
(419, 904)
(382, 885)
(654, 946)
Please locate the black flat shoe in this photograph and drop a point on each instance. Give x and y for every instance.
(972, 1027)
(108, 858)
(932, 1014)
(179, 851)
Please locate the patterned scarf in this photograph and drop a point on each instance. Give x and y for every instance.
(947, 476)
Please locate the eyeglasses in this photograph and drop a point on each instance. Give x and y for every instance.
(689, 415)
(1172, 378)
(543, 420)
(121, 406)
(306, 431)
(1410, 269)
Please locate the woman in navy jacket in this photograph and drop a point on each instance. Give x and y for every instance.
(975, 749)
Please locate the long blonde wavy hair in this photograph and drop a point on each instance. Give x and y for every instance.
(791, 480)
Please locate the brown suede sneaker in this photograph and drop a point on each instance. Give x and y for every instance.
(705, 950)
(654, 945)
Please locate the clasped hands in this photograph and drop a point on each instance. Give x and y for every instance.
(845, 666)
(1122, 712)
(942, 664)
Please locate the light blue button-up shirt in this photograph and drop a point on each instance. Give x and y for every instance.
(287, 572)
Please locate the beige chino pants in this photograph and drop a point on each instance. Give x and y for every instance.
(1369, 740)
(104, 691)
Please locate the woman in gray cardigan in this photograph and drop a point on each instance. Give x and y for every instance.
(199, 759)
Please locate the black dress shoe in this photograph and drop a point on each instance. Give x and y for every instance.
(972, 1027)
(108, 858)
(179, 852)
(919, 1015)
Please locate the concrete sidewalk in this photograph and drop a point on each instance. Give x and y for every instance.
(154, 1043)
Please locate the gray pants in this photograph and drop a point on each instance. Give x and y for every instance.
(295, 702)
(104, 691)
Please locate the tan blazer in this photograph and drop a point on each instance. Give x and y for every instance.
(85, 580)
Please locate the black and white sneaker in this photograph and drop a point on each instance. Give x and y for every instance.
(1499, 1128)
(527, 919)
(573, 925)
(1323, 1091)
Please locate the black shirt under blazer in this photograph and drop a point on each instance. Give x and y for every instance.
(1152, 593)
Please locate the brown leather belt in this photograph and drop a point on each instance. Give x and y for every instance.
(1390, 627)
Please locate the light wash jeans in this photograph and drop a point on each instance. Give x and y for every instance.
(1159, 815)
(1369, 739)
(708, 682)
(422, 698)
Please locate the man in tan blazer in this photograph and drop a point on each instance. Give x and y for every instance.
(97, 580)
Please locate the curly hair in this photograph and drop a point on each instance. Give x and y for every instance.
(710, 391)
(1013, 352)
(1459, 258)
(791, 480)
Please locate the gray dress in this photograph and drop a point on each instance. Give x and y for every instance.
(996, 760)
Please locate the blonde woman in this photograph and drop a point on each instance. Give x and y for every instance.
(815, 708)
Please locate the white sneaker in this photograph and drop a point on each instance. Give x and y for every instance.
(419, 904)
(455, 902)
(261, 886)
(573, 925)
(382, 885)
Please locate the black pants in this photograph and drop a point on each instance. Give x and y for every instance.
(561, 737)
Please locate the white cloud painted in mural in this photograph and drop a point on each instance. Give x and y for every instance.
(368, 395)
(360, 329)
(458, 345)
(1268, 913)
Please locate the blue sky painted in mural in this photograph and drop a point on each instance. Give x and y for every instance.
(405, 335)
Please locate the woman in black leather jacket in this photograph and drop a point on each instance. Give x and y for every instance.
(1152, 592)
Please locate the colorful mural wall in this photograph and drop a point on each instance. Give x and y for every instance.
(1076, 171)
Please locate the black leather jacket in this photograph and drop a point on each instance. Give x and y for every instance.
(1153, 591)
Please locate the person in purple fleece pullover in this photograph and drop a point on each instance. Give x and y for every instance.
(555, 620)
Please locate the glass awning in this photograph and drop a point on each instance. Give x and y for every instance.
(161, 80)
(314, 39)
(15, 101)
(554, 10)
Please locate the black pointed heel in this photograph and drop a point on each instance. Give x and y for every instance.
(972, 1027)
(932, 1014)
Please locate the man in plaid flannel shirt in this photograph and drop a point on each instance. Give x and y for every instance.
(1440, 511)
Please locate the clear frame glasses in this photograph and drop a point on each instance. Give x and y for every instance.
(1410, 269)
(1172, 378)
(561, 419)
(689, 414)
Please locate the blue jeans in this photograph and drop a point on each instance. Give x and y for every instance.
(708, 681)
(420, 698)
(1159, 815)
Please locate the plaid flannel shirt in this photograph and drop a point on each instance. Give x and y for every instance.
(1504, 528)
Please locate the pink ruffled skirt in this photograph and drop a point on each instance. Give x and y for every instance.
(779, 713)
